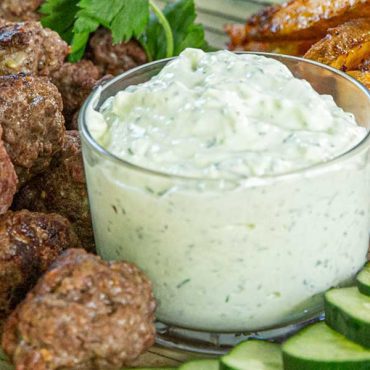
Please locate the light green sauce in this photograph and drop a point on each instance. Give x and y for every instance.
(237, 254)
(224, 115)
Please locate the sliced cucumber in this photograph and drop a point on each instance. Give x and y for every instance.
(363, 280)
(348, 312)
(320, 348)
(150, 368)
(254, 355)
(201, 365)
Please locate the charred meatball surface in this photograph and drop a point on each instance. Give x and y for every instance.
(8, 178)
(29, 48)
(75, 82)
(115, 59)
(32, 122)
(62, 189)
(83, 314)
(17, 10)
(29, 243)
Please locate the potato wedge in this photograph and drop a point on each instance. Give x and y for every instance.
(345, 47)
(304, 19)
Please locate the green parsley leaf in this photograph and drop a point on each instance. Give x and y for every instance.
(181, 16)
(59, 15)
(83, 27)
(136, 16)
(75, 20)
(125, 18)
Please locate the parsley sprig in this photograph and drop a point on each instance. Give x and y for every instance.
(162, 33)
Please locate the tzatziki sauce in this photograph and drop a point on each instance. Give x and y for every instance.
(225, 192)
(224, 115)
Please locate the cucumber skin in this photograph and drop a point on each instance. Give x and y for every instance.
(364, 289)
(223, 366)
(350, 327)
(293, 363)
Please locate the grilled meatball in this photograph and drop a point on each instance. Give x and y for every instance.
(83, 314)
(8, 178)
(29, 243)
(75, 82)
(62, 189)
(115, 59)
(20, 10)
(32, 120)
(28, 47)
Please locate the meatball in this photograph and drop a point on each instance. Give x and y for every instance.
(83, 314)
(20, 10)
(115, 59)
(32, 122)
(8, 178)
(29, 48)
(75, 82)
(29, 243)
(62, 189)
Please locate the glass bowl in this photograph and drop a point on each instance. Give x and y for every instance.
(235, 259)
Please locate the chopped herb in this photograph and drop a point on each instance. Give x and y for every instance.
(149, 190)
(183, 283)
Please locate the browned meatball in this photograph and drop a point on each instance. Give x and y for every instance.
(32, 120)
(29, 243)
(62, 189)
(75, 82)
(8, 178)
(115, 59)
(17, 10)
(29, 48)
(83, 314)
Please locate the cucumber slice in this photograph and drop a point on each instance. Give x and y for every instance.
(148, 368)
(201, 365)
(363, 280)
(253, 355)
(348, 312)
(320, 348)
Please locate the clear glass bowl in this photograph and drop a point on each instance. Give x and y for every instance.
(231, 260)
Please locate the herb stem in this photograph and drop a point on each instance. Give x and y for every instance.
(167, 29)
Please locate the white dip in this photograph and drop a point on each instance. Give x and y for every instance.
(229, 245)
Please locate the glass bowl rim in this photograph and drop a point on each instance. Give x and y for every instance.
(86, 135)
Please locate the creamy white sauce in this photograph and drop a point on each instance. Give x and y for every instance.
(224, 115)
(229, 251)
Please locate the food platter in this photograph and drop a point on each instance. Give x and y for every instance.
(166, 203)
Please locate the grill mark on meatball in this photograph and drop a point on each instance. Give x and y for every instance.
(29, 243)
(30, 48)
(62, 189)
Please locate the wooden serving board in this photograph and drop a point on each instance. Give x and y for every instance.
(162, 357)
(155, 357)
